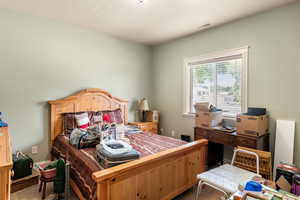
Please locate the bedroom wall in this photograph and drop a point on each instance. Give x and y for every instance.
(43, 60)
(273, 74)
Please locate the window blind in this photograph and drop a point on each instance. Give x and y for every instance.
(217, 81)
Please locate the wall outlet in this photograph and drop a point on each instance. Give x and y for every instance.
(173, 133)
(161, 130)
(34, 149)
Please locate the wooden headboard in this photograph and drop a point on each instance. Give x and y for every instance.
(85, 100)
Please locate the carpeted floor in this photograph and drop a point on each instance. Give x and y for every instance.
(32, 193)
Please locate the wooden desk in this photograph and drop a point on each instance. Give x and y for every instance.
(217, 139)
(5, 163)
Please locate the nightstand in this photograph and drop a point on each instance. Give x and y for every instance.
(146, 126)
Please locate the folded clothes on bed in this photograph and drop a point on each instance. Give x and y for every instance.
(108, 159)
(81, 138)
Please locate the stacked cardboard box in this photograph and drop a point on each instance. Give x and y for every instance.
(252, 125)
(206, 119)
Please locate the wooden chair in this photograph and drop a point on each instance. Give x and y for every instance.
(248, 162)
(227, 178)
(43, 185)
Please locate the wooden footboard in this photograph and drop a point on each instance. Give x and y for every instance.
(160, 176)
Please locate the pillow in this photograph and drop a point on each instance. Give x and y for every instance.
(106, 118)
(82, 120)
(96, 119)
(115, 116)
(69, 121)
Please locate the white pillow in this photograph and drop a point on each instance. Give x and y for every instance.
(82, 120)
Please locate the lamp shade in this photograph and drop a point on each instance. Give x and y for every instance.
(143, 105)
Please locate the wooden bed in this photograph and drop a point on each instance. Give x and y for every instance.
(159, 176)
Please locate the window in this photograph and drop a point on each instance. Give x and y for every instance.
(220, 79)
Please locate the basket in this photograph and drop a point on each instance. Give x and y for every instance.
(50, 173)
(248, 162)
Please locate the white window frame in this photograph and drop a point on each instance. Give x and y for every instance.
(188, 62)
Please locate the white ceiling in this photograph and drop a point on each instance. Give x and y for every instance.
(151, 22)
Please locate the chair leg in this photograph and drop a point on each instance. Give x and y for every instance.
(41, 185)
(216, 188)
(44, 190)
(199, 189)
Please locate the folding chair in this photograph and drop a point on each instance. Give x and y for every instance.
(227, 178)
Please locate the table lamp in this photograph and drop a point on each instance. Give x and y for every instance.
(143, 107)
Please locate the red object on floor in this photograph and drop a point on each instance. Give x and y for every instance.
(50, 173)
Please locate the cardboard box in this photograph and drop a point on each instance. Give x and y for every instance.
(208, 119)
(283, 184)
(201, 107)
(252, 125)
(152, 116)
(287, 171)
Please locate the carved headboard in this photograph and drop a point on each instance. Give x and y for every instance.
(85, 100)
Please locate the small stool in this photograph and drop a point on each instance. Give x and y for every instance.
(43, 184)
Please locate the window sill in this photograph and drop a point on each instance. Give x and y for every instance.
(192, 116)
(189, 115)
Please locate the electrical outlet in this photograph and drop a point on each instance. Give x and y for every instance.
(34, 149)
(161, 130)
(173, 133)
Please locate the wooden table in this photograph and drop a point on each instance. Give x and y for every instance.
(5, 163)
(218, 138)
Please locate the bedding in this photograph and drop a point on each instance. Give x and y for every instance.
(94, 119)
(84, 162)
(82, 138)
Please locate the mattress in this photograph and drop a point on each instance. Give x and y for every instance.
(84, 163)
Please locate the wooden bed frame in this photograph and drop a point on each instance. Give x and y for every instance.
(159, 176)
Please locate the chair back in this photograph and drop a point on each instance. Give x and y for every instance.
(249, 153)
(249, 162)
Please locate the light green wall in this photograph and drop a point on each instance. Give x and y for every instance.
(43, 60)
(274, 70)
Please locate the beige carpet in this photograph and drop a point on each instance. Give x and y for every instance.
(32, 193)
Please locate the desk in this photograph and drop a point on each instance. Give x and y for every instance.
(217, 139)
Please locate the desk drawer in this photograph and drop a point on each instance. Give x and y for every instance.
(246, 142)
(221, 138)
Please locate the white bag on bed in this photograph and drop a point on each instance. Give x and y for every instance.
(116, 146)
